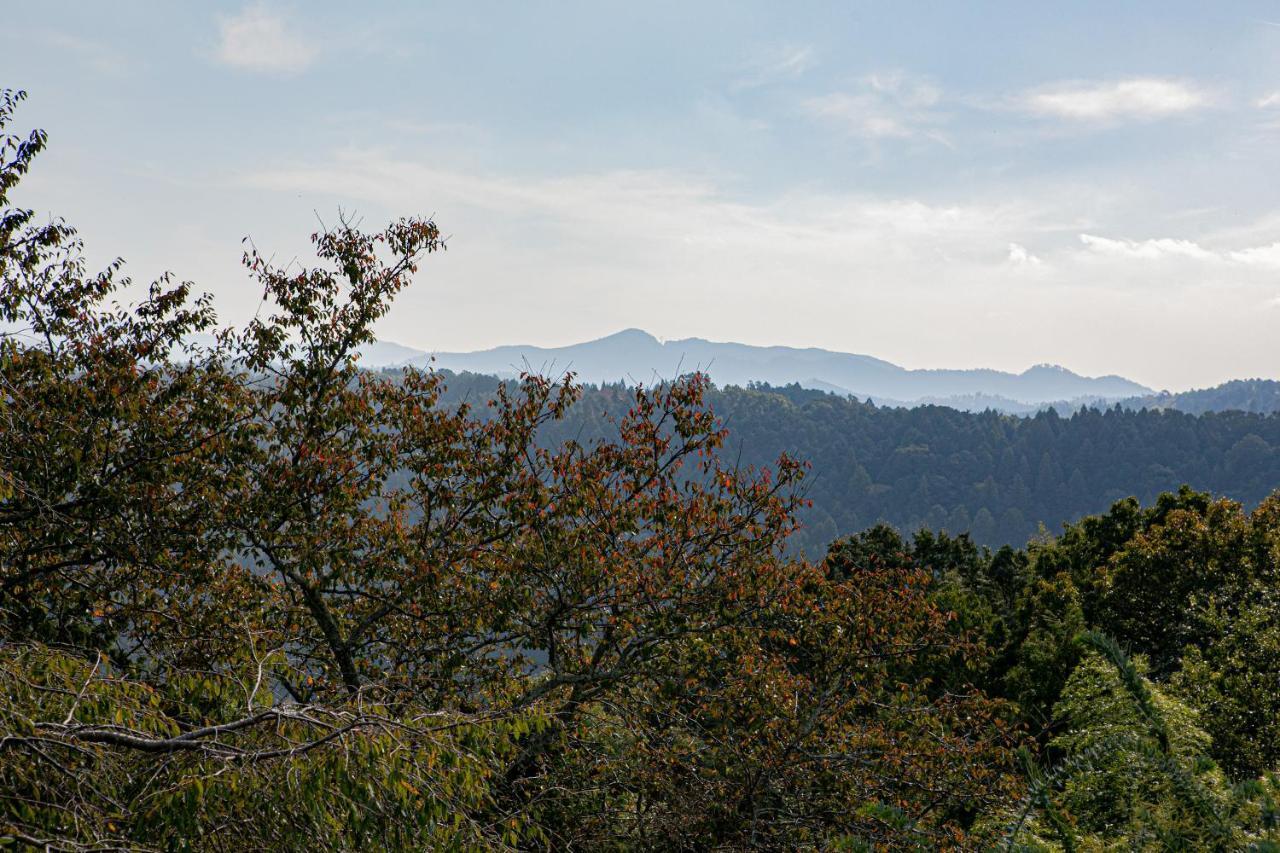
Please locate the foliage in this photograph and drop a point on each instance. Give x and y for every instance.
(1175, 748)
(101, 760)
(1134, 773)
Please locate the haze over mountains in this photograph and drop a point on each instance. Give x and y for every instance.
(636, 356)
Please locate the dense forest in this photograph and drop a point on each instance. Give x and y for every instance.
(254, 597)
(997, 477)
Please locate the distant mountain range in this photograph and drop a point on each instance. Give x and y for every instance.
(1241, 395)
(636, 356)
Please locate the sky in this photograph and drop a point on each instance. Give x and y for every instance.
(936, 184)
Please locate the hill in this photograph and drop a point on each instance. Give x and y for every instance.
(1241, 395)
(999, 477)
(636, 356)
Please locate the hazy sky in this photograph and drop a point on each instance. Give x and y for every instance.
(938, 184)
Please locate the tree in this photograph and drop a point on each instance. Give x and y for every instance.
(1190, 556)
(141, 663)
(1133, 771)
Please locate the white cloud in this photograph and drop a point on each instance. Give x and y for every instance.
(665, 205)
(782, 63)
(1134, 98)
(259, 39)
(102, 57)
(789, 61)
(887, 105)
(858, 113)
(1147, 250)
(905, 90)
(1270, 100)
(1020, 257)
(634, 240)
(1261, 257)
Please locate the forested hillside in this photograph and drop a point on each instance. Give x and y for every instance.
(997, 477)
(1243, 395)
(1237, 395)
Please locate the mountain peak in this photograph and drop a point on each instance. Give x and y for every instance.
(632, 335)
(1046, 368)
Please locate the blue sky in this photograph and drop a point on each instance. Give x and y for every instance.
(955, 185)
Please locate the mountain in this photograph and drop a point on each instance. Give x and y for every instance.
(636, 356)
(1259, 396)
(1240, 395)
(387, 354)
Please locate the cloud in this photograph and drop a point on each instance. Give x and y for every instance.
(1164, 248)
(1134, 98)
(654, 237)
(789, 61)
(99, 56)
(1146, 250)
(665, 205)
(258, 39)
(1020, 257)
(1259, 256)
(781, 63)
(905, 90)
(887, 105)
(1267, 101)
